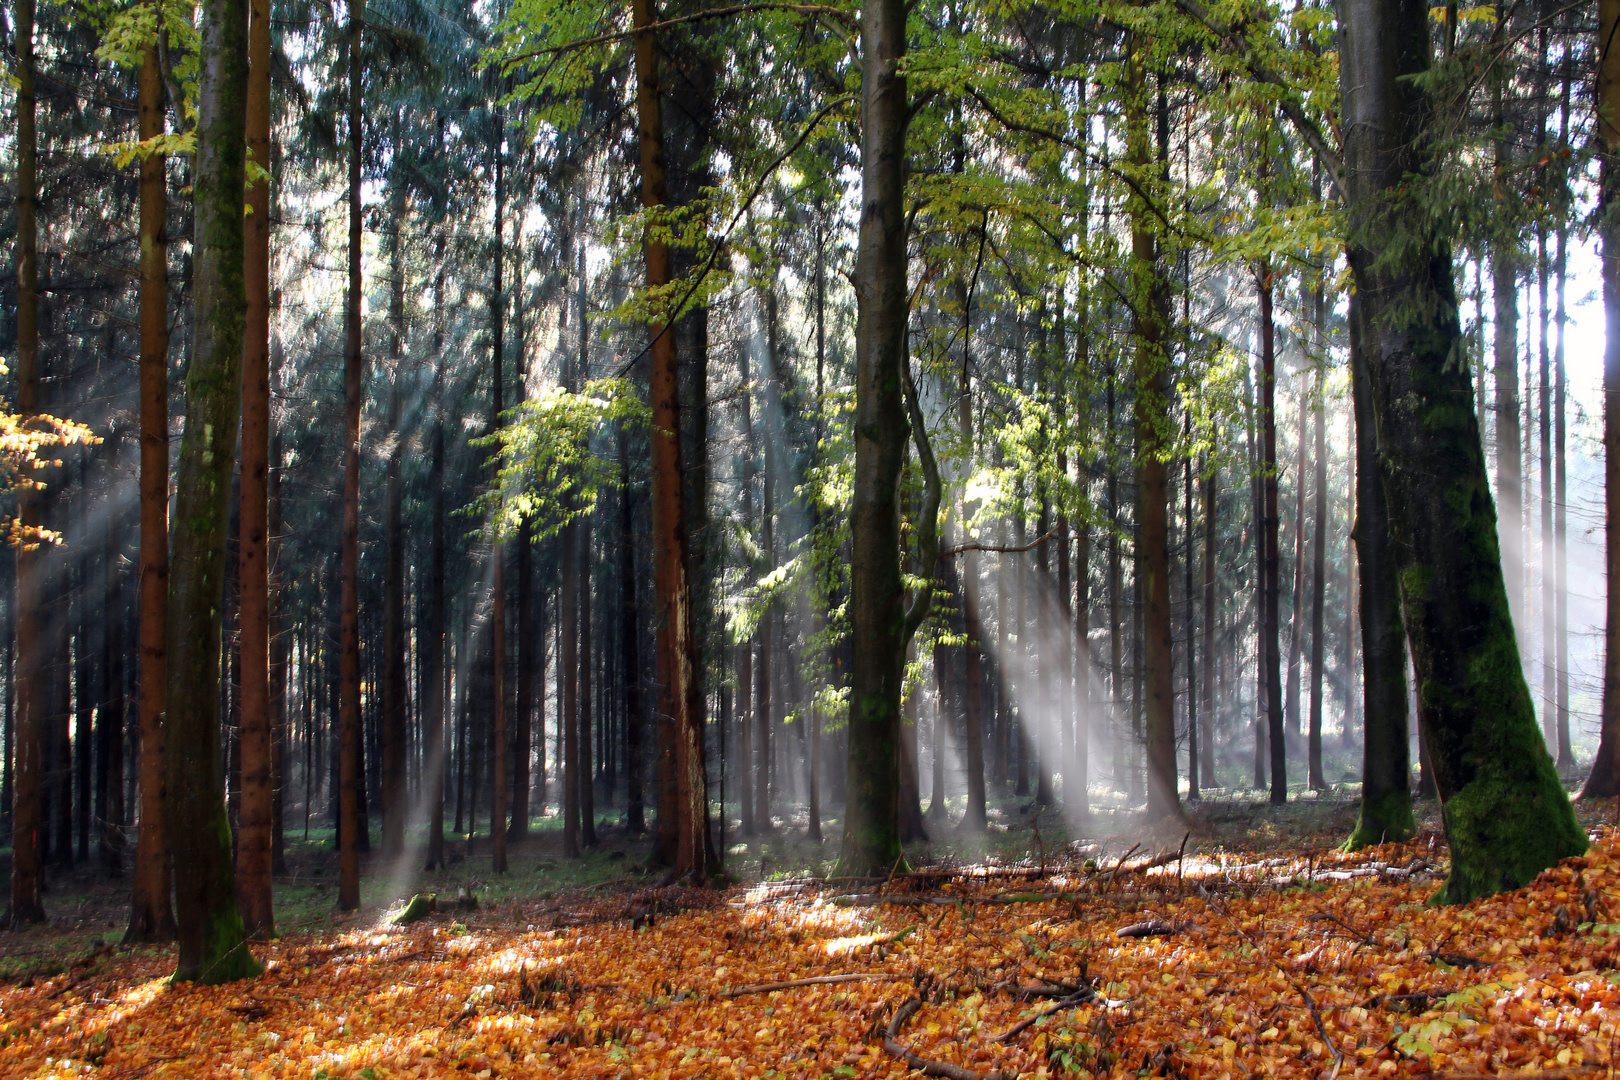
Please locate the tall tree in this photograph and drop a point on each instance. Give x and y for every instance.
(877, 594)
(350, 821)
(681, 696)
(213, 938)
(151, 906)
(1506, 814)
(28, 804)
(253, 569)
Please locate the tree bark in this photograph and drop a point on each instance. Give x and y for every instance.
(110, 716)
(253, 568)
(1506, 814)
(1318, 580)
(681, 696)
(349, 820)
(629, 650)
(497, 554)
(1152, 418)
(151, 907)
(587, 779)
(871, 827)
(1270, 578)
(434, 651)
(28, 823)
(1605, 778)
(393, 676)
(213, 945)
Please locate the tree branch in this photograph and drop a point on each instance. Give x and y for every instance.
(951, 553)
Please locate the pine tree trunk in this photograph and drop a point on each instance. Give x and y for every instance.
(213, 945)
(280, 652)
(1318, 580)
(1605, 778)
(1506, 815)
(1296, 616)
(434, 645)
(871, 829)
(349, 776)
(568, 680)
(28, 802)
(253, 567)
(497, 555)
(587, 785)
(1206, 744)
(629, 632)
(393, 675)
(110, 716)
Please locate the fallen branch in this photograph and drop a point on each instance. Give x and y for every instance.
(926, 1066)
(1084, 995)
(816, 980)
(1150, 928)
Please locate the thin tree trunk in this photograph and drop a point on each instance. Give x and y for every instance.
(1211, 511)
(629, 632)
(393, 674)
(1318, 550)
(213, 945)
(435, 647)
(1566, 752)
(280, 652)
(28, 802)
(587, 787)
(497, 555)
(110, 716)
(349, 779)
(1270, 582)
(1296, 617)
(253, 567)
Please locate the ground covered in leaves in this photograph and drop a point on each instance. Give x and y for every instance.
(1161, 960)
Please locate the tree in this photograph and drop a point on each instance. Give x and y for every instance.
(253, 573)
(213, 938)
(1506, 814)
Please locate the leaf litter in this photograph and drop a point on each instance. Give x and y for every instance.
(1317, 964)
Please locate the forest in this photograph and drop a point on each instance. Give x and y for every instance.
(516, 509)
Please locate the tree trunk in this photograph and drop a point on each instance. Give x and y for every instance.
(629, 633)
(587, 788)
(28, 803)
(1506, 815)
(681, 698)
(497, 554)
(253, 567)
(395, 798)
(434, 646)
(1605, 778)
(871, 828)
(1270, 580)
(568, 681)
(110, 716)
(213, 945)
(1318, 549)
(1152, 418)
(1206, 743)
(1296, 617)
(349, 820)
(151, 908)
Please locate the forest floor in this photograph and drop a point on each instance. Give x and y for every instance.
(1249, 948)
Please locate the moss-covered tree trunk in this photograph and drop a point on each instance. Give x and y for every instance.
(213, 939)
(151, 908)
(253, 566)
(877, 615)
(1506, 814)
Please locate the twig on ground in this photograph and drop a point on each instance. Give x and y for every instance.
(818, 980)
(926, 1066)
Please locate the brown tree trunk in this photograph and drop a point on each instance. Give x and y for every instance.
(349, 821)
(110, 716)
(681, 697)
(1296, 617)
(587, 779)
(151, 907)
(629, 645)
(568, 678)
(213, 946)
(253, 568)
(1318, 550)
(434, 650)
